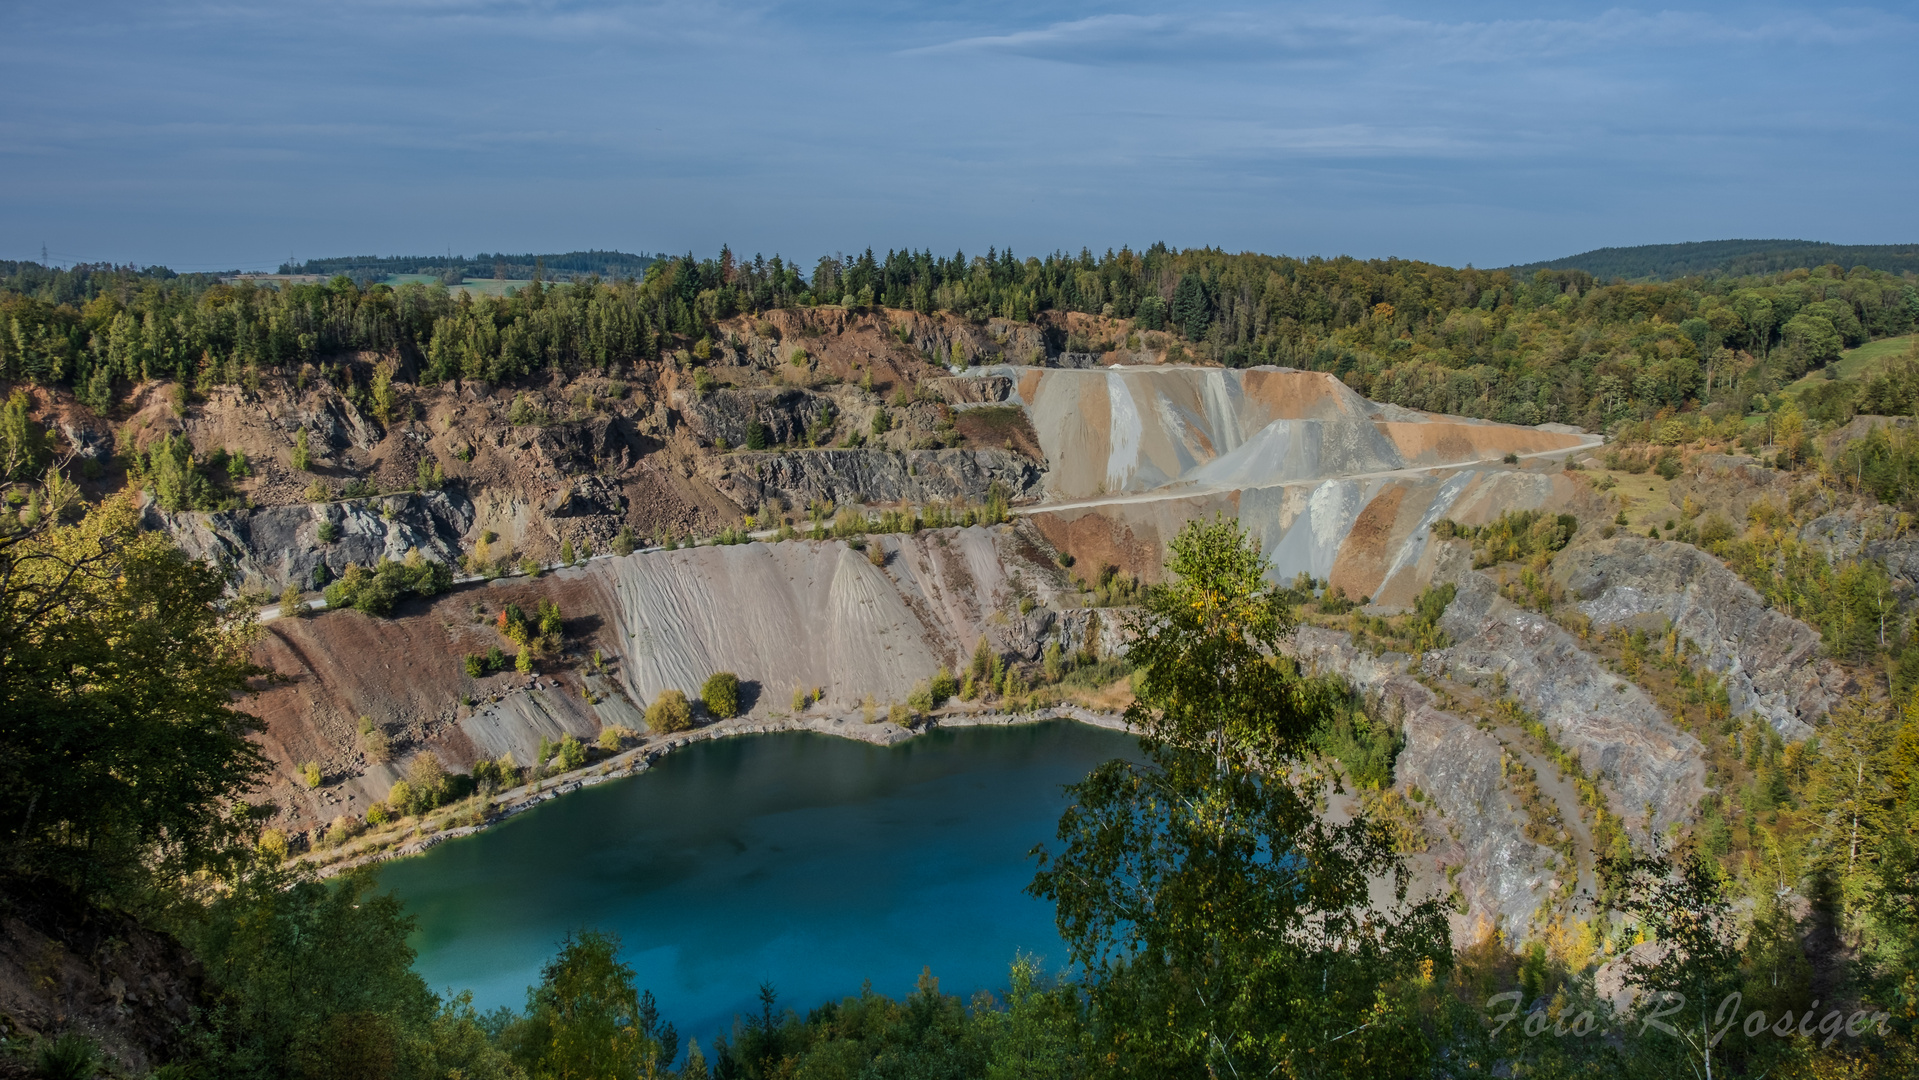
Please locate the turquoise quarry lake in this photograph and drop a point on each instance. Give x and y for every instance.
(810, 862)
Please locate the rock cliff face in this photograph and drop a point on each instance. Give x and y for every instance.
(842, 477)
(67, 965)
(271, 546)
(1770, 661)
(784, 414)
(1875, 533)
(1615, 730)
(972, 389)
(1477, 834)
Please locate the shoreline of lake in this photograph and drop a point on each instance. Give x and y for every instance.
(512, 802)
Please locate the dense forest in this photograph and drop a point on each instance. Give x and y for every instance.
(1554, 346)
(1727, 258)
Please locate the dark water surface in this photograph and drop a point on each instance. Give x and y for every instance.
(811, 862)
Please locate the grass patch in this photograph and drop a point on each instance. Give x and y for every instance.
(1859, 363)
(1096, 676)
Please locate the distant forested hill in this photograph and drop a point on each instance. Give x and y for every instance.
(1729, 258)
(569, 266)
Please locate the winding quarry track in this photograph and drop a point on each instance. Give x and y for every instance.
(1190, 489)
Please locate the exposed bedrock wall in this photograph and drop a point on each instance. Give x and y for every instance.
(1480, 835)
(272, 546)
(1655, 771)
(1369, 536)
(1107, 432)
(1770, 661)
(797, 477)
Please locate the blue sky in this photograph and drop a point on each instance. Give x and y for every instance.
(219, 134)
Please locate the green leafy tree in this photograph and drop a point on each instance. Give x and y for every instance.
(552, 625)
(1851, 795)
(1041, 1031)
(943, 686)
(376, 591)
(920, 699)
(670, 712)
(1190, 306)
(385, 397)
(123, 756)
(23, 442)
(1681, 904)
(1224, 925)
(177, 484)
(585, 1020)
(315, 980)
(1208, 643)
(428, 780)
(1054, 662)
(981, 665)
(721, 695)
(401, 800)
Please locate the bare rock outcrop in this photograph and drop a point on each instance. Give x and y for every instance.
(66, 964)
(339, 424)
(1770, 660)
(784, 414)
(1612, 726)
(1502, 876)
(1876, 532)
(971, 389)
(271, 546)
(797, 477)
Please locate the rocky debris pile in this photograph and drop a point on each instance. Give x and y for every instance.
(67, 965)
(971, 389)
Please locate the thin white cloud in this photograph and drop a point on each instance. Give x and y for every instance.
(1291, 36)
